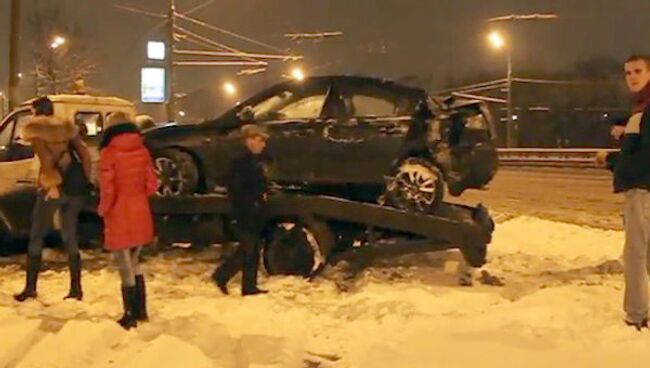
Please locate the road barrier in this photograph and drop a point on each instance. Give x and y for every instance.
(554, 157)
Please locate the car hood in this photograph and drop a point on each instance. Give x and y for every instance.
(163, 134)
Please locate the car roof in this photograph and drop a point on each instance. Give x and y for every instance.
(358, 79)
(86, 100)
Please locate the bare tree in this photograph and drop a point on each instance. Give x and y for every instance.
(58, 62)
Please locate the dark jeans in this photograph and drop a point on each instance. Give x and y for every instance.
(43, 218)
(246, 258)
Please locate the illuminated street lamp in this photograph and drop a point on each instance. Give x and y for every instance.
(57, 42)
(498, 42)
(298, 74)
(230, 88)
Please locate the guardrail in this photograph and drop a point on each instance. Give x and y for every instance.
(554, 157)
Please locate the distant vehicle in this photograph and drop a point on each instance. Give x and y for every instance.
(354, 137)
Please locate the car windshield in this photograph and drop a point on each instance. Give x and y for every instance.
(271, 105)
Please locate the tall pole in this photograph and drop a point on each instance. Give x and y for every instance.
(171, 47)
(14, 68)
(510, 112)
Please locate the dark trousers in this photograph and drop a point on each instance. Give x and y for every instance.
(246, 258)
(42, 222)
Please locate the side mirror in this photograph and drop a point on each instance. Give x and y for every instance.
(246, 114)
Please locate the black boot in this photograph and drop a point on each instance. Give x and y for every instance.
(74, 263)
(33, 267)
(141, 292)
(638, 325)
(129, 297)
(220, 280)
(249, 277)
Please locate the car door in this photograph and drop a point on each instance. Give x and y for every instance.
(362, 148)
(291, 116)
(18, 166)
(293, 139)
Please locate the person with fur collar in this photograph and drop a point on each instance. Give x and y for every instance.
(57, 145)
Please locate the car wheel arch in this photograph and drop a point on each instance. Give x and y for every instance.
(198, 162)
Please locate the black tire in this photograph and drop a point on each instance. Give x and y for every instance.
(297, 247)
(416, 185)
(8, 244)
(178, 173)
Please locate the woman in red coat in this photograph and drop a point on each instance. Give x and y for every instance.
(127, 180)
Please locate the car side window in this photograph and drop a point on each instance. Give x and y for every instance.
(90, 123)
(6, 132)
(22, 119)
(306, 108)
(10, 131)
(289, 104)
(372, 106)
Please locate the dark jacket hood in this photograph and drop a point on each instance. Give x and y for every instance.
(118, 130)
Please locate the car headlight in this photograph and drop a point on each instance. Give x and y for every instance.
(476, 122)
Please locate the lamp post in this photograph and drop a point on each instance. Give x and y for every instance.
(57, 42)
(498, 42)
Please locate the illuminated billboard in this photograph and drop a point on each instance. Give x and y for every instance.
(153, 86)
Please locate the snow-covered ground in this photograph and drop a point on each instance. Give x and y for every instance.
(561, 306)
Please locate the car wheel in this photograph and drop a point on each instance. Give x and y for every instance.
(416, 185)
(177, 173)
(296, 247)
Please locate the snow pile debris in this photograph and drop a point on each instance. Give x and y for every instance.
(543, 238)
(555, 308)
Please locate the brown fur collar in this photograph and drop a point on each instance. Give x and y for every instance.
(49, 129)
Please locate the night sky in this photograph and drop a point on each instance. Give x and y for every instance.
(390, 38)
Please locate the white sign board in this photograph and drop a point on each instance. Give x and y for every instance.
(153, 86)
(156, 50)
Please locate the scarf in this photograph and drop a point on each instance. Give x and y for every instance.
(641, 99)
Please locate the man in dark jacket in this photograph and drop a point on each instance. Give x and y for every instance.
(247, 186)
(631, 169)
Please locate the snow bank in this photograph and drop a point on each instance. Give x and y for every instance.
(543, 238)
(548, 314)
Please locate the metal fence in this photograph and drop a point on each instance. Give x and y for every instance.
(553, 157)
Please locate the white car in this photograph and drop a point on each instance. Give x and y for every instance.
(18, 164)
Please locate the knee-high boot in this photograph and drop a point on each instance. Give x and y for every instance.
(33, 268)
(74, 264)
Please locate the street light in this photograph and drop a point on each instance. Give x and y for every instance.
(498, 42)
(298, 74)
(57, 42)
(229, 88)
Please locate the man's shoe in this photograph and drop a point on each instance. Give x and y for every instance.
(638, 325)
(74, 294)
(26, 294)
(254, 292)
(220, 282)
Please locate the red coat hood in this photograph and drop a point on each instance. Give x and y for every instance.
(127, 142)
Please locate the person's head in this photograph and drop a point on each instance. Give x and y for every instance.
(116, 118)
(637, 72)
(254, 138)
(42, 106)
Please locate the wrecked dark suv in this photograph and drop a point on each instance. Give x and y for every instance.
(359, 138)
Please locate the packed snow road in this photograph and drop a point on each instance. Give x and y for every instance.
(579, 196)
(561, 302)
